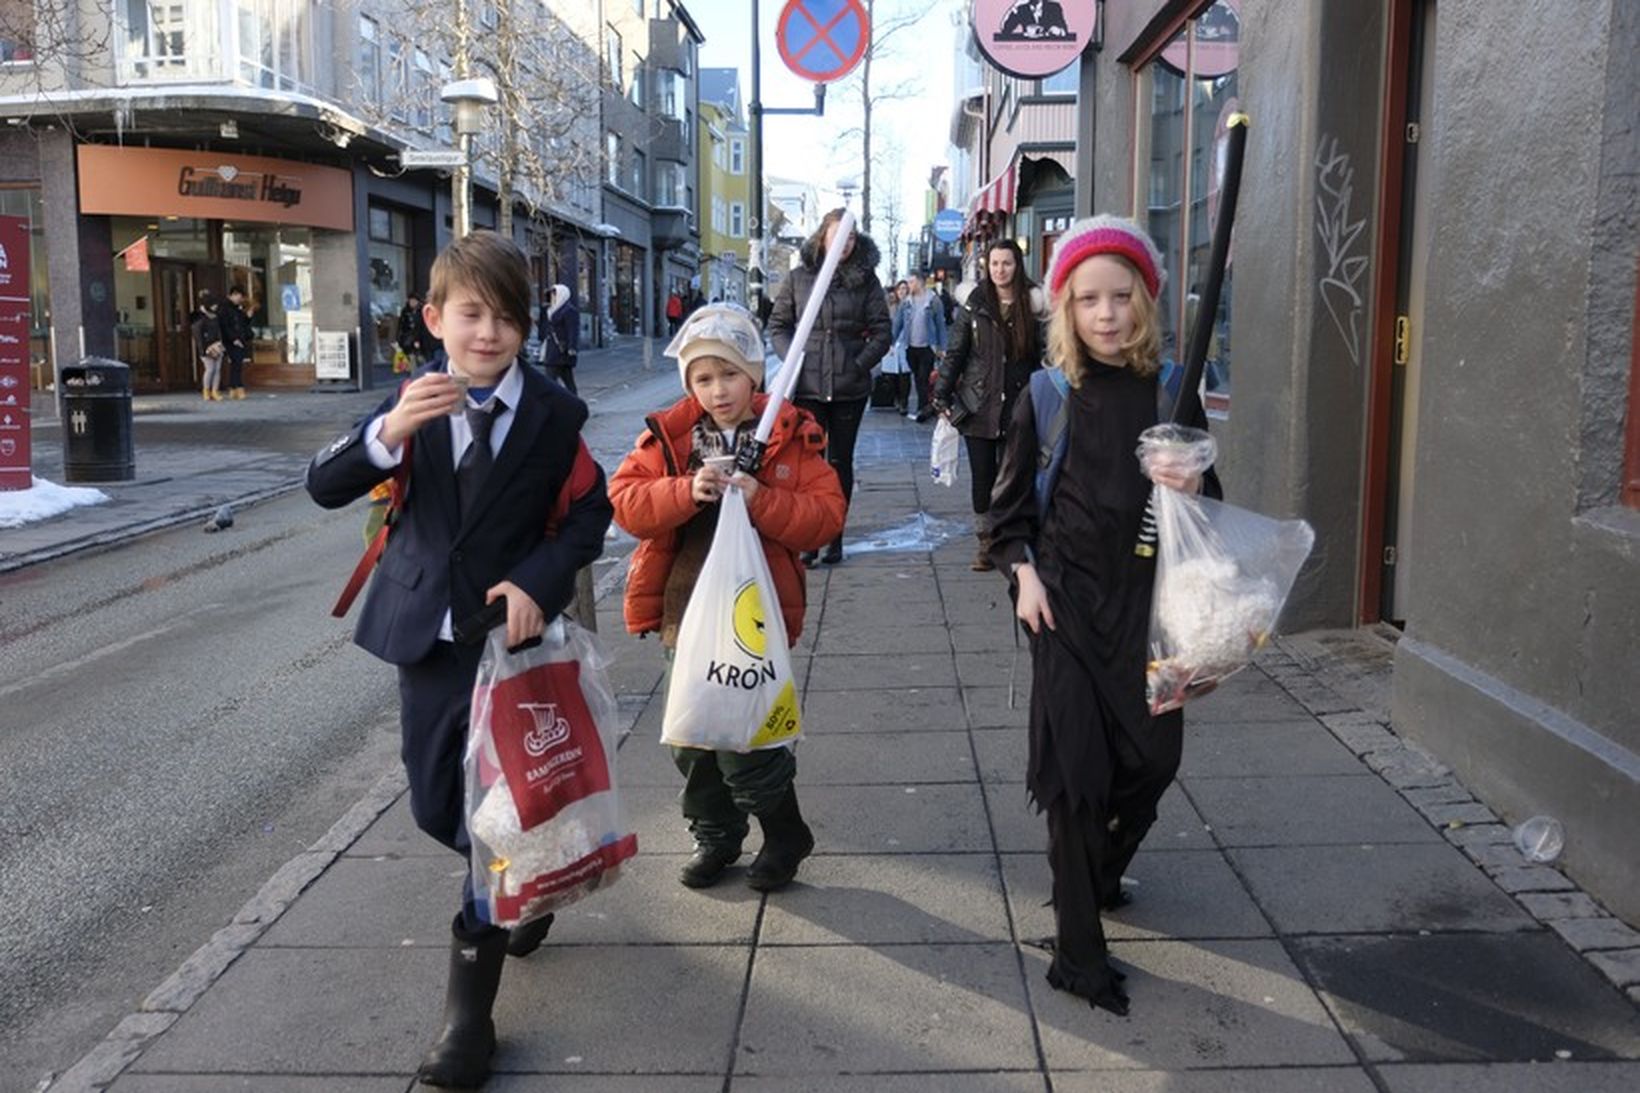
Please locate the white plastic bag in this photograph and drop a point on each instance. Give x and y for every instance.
(1222, 575)
(543, 809)
(942, 453)
(732, 685)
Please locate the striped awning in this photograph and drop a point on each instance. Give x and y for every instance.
(997, 195)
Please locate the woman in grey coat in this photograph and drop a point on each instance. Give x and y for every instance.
(850, 335)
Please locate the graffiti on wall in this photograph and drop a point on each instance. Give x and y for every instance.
(1343, 259)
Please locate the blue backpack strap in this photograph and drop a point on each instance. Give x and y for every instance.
(1049, 390)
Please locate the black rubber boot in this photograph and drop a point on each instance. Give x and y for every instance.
(461, 1057)
(707, 864)
(787, 840)
(834, 551)
(524, 940)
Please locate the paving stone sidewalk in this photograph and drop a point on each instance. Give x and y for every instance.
(1319, 907)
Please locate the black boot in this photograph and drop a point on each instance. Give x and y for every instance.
(787, 840)
(461, 1057)
(524, 940)
(707, 864)
(834, 551)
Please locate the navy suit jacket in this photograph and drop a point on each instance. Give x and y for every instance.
(436, 561)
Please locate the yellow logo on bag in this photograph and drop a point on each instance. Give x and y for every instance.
(783, 721)
(749, 629)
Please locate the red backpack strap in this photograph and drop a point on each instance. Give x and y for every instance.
(583, 476)
(399, 487)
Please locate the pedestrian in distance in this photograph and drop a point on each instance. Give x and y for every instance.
(559, 332)
(237, 336)
(996, 343)
(674, 312)
(667, 493)
(209, 346)
(923, 320)
(414, 339)
(490, 444)
(850, 335)
(1069, 540)
(894, 369)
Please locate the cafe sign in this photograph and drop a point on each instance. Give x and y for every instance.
(1033, 39)
(213, 186)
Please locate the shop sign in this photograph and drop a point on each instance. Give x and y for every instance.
(1033, 39)
(213, 186)
(332, 361)
(16, 467)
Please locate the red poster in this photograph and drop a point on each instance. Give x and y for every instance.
(15, 465)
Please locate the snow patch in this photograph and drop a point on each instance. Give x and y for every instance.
(43, 500)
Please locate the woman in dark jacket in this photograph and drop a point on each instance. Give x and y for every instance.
(850, 335)
(560, 332)
(995, 345)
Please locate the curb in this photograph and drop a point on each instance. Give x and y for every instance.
(167, 1002)
(1552, 898)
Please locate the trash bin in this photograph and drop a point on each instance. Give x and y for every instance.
(97, 442)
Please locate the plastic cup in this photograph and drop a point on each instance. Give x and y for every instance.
(1540, 839)
(462, 383)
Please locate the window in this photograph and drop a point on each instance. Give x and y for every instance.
(640, 168)
(720, 214)
(158, 33)
(669, 184)
(1184, 97)
(637, 84)
(369, 74)
(16, 31)
(1064, 82)
(612, 56)
(397, 87)
(674, 94)
(446, 123)
(612, 158)
(737, 219)
(737, 156)
(424, 91)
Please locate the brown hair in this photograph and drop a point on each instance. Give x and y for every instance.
(1142, 352)
(1019, 326)
(491, 267)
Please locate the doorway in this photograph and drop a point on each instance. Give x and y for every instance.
(1389, 559)
(173, 330)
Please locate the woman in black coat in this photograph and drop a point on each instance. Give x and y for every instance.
(559, 329)
(995, 345)
(850, 335)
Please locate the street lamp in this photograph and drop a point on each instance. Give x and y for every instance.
(469, 97)
(847, 186)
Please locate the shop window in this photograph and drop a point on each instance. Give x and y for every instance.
(392, 268)
(16, 31)
(1185, 96)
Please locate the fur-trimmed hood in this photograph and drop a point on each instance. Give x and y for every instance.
(853, 271)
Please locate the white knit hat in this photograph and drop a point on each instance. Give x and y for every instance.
(726, 331)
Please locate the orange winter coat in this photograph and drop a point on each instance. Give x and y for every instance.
(800, 506)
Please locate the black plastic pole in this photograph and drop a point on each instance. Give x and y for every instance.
(1207, 307)
(755, 274)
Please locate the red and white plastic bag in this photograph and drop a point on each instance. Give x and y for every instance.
(543, 808)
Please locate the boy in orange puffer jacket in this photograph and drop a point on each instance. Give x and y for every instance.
(666, 493)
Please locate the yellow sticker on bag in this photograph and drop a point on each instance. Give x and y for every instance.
(783, 721)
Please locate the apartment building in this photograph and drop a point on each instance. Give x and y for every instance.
(725, 185)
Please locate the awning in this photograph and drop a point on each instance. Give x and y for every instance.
(997, 195)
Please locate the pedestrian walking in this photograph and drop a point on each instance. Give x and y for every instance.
(666, 493)
(209, 347)
(894, 369)
(996, 343)
(237, 336)
(490, 444)
(849, 337)
(924, 322)
(560, 335)
(674, 312)
(1067, 538)
(414, 339)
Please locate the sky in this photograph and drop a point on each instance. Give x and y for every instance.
(918, 127)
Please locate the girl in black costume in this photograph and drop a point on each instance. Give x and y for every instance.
(1081, 580)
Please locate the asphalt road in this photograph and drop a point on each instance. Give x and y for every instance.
(179, 716)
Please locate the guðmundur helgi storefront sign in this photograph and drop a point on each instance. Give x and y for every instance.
(1033, 39)
(213, 186)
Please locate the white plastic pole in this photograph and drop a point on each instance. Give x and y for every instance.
(793, 363)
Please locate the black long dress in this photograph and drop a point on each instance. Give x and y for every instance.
(1099, 762)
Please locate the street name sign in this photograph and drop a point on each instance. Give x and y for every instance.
(446, 158)
(822, 40)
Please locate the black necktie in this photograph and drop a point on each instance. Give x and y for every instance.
(477, 460)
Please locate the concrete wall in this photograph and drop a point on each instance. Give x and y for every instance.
(1520, 663)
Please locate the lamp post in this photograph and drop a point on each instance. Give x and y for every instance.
(469, 97)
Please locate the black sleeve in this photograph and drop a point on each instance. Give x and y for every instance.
(878, 327)
(342, 472)
(1013, 521)
(1211, 486)
(782, 323)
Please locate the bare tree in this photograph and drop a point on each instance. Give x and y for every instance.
(883, 33)
(892, 204)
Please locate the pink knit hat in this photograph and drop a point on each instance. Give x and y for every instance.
(1106, 234)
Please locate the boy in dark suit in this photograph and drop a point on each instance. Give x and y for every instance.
(490, 444)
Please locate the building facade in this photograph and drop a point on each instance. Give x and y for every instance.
(1431, 356)
(725, 186)
(198, 145)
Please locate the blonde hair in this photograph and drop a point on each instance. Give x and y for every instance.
(1142, 352)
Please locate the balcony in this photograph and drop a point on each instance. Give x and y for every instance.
(669, 227)
(272, 44)
(671, 142)
(668, 45)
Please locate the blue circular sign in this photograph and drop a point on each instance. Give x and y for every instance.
(947, 225)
